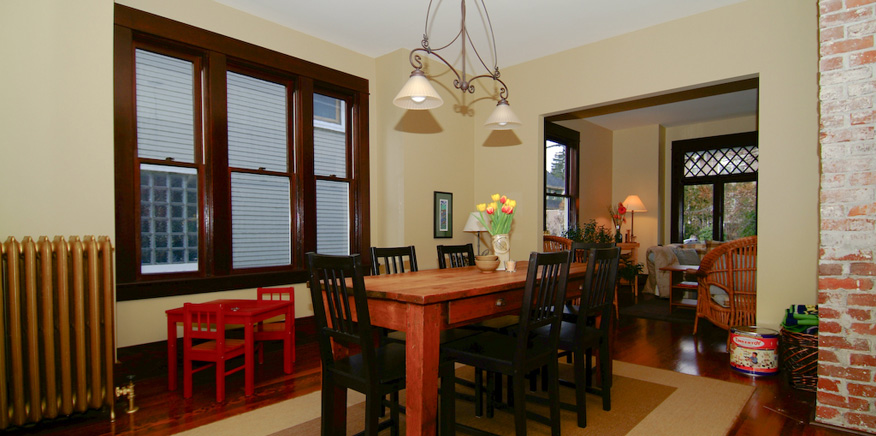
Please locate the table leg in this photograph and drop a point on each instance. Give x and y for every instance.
(249, 359)
(289, 339)
(422, 369)
(171, 355)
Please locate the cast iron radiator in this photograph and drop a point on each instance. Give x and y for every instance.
(56, 324)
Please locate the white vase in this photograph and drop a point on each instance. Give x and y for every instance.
(502, 248)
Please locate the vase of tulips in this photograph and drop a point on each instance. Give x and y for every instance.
(618, 217)
(496, 217)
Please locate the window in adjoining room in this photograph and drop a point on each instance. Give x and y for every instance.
(714, 187)
(560, 178)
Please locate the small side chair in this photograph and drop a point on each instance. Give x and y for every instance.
(206, 323)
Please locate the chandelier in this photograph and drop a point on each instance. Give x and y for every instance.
(418, 93)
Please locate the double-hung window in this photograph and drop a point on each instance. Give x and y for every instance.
(232, 161)
(560, 178)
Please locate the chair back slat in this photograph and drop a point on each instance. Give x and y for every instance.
(546, 279)
(556, 243)
(276, 294)
(599, 286)
(203, 321)
(340, 306)
(458, 255)
(393, 259)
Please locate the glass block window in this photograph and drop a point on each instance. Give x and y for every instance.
(168, 219)
(718, 162)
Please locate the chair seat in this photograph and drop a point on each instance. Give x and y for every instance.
(492, 351)
(445, 335)
(389, 358)
(568, 340)
(231, 346)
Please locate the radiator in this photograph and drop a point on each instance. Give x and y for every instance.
(56, 324)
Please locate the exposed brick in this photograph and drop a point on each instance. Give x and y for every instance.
(845, 165)
(861, 29)
(857, 3)
(824, 412)
(862, 58)
(863, 148)
(850, 104)
(867, 117)
(855, 133)
(832, 34)
(860, 390)
(861, 179)
(845, 76)
(844, 402)
(863, 421)
(833, 211)
(829, 269)
(868, 300)
(833, 121)
(864, 328)
(829, 327)
(862, 269)
(852, 195)
(827, 312)
(830, 64)
(859, 89)
(862, 360)
(830, 298)
(846, 45)
(845, 17)
(847, 225)
(863, 210)
(845, 344)
(836, 92)
(834, 151)
(829, 385)
(827, 6)
(857, 315)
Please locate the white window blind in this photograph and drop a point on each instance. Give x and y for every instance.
(332, 217)
(260, 221)
(256, 123)
(165, 107)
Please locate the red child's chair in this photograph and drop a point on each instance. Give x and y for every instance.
(275, 331)
(207, 322)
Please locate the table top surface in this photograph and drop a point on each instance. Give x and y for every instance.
(691, 268)
(439, 285)
(240, 306)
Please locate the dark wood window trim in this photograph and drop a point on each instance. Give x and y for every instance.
(219, 53)
(571, 138)
(679, 148)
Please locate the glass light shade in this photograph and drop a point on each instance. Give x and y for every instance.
(634, 204)
(417, 94)
(502, 117)
(473, 224)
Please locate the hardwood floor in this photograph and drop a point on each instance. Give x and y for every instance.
(774, 409)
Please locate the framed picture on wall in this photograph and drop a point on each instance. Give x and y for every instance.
(443, 214)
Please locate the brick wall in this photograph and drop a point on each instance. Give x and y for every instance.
(847, 269)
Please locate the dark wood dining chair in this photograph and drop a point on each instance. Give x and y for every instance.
(457, 255)
(341, 313)
(274, 331)
(581, 337)
(581, 252)
(204, 341)
(516, 354)
(393, 259)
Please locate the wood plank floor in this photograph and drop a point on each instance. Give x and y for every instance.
(774, 409)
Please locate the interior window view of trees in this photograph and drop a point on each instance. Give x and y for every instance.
(560, 178)
(714, 187)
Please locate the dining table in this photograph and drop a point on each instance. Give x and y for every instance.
(247, 312)
(422, 304)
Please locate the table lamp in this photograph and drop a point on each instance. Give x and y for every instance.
(633, 204)
(474, 225)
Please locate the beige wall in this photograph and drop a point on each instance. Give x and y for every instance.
(57, 119)
(636, 172)
(775, 41)
(595, 170)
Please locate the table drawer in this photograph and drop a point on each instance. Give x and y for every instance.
(484, 306)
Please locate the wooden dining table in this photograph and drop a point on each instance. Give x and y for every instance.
(243, 311)
(423, 303)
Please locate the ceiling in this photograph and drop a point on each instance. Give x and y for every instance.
(524, 30)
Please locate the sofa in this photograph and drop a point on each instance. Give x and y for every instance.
(660, 256)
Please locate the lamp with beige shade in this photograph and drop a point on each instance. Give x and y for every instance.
(633, 204)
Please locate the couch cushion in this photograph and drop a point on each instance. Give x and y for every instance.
(719, 295)
(687, 256)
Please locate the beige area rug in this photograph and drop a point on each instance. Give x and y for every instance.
(645, 401)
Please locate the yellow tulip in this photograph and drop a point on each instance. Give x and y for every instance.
(512, 203)
(493, 205)
(482, 207)
(495, 197)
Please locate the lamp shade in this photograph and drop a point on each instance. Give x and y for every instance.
(473, 224)
(418, 93)
(634, 204)
(502, 117)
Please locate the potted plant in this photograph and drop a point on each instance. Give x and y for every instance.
(629, 271)
(589, 232)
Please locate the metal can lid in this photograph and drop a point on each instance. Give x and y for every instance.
(753, 330)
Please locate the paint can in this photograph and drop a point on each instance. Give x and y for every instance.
(754, 350)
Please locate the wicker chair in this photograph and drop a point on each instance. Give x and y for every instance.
(556, 243)
(727, 286)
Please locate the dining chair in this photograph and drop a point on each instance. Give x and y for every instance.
(205, 323)
(581, 252)
(555, 243)
(458, 255)
(581, 337)
(393, 259)
(341, 312)
(274, 331)
(517, 354)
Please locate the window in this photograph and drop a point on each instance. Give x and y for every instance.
(560, 178)
(219, 183)
(714, 187)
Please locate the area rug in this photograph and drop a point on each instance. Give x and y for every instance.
(645, 401)
(658, 309)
